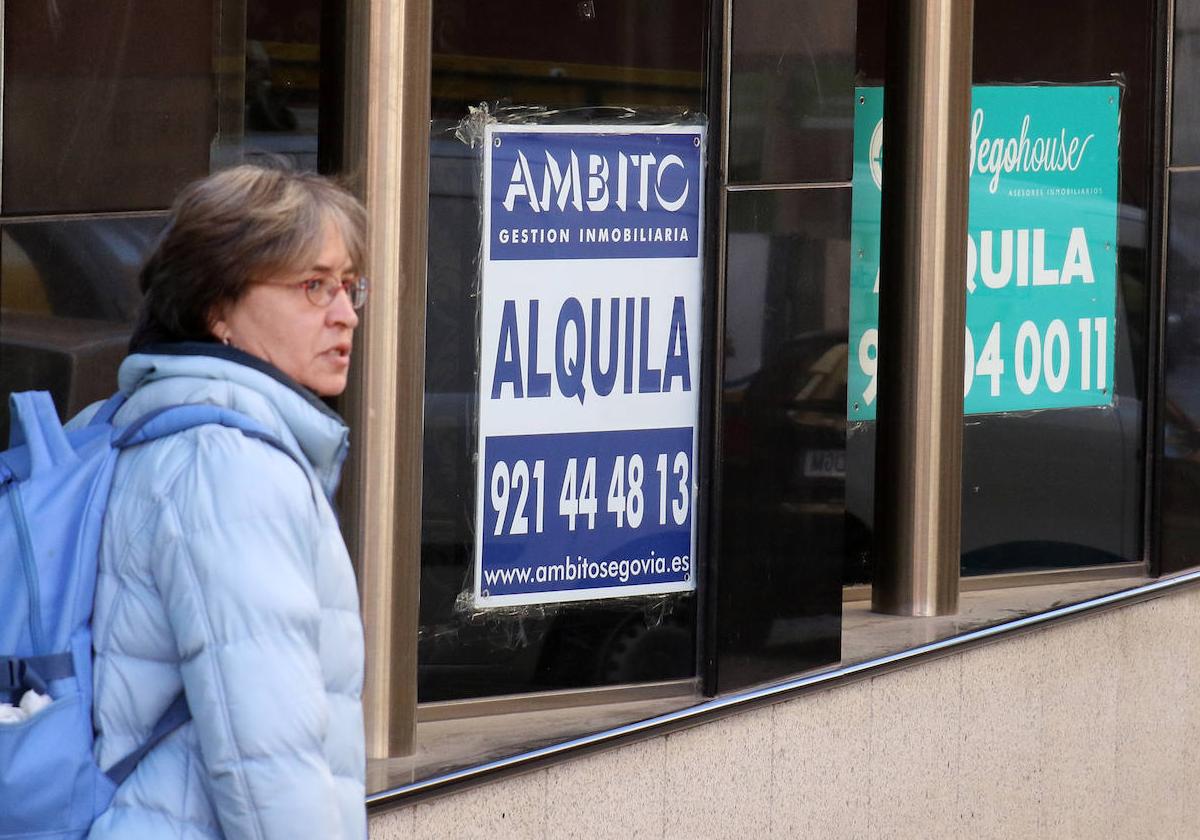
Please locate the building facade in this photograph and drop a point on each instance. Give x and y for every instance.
(615, 491)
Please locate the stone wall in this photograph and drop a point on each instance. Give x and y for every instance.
(1086, 729)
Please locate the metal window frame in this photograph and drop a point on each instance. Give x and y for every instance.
(1161, 155)
(3, 64)
(386, 160)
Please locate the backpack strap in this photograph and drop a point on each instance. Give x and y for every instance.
(18, 674)
(36, 426)
(108, 410)
(176, 715)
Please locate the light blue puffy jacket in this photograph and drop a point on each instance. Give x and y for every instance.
(223, 574)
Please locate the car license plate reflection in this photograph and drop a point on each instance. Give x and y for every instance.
(825, 463)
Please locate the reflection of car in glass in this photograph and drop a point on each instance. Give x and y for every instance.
(67, 304)
(73, 358)
(784, 431)
(1042, 489)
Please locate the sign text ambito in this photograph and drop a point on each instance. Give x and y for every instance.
(589, 362)
(1041, 272)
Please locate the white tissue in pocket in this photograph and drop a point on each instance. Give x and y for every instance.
(31, 703)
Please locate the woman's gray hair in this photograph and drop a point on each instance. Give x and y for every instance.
(230, 230)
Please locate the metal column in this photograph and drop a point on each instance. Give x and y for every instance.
(388, 160)
(922, 305)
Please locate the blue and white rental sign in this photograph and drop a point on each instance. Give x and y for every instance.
(589, 362)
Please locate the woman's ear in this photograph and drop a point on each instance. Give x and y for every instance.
(217, 326)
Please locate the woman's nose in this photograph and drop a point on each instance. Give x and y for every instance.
(341, 312)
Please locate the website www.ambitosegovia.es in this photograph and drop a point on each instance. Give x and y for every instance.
(582, 569)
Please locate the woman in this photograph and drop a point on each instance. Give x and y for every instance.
(222, 571)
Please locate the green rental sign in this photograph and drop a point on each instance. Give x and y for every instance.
(1041, 253)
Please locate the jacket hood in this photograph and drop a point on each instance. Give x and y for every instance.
(189, 372)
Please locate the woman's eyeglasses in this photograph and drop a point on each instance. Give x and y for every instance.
(321, 291)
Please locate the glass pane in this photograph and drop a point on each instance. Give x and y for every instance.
(465, 654)
(282, 84)
(1064, 488)
(114, 106)
(627, 54)
(107, 106)
(783, 443)
(1181, 371)
(68, 300)
(791, 92)
(1185, 98)
(111, 108)
(562, 54)
(1058, 488)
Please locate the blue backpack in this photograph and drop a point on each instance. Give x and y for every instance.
(54, 487)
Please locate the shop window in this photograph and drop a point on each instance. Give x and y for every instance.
(1046, 489)
(108, 110)
(106, 106)
(1050, 489)
(585, 63)
(1057, 488)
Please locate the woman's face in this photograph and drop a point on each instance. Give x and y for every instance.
(275, 321)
